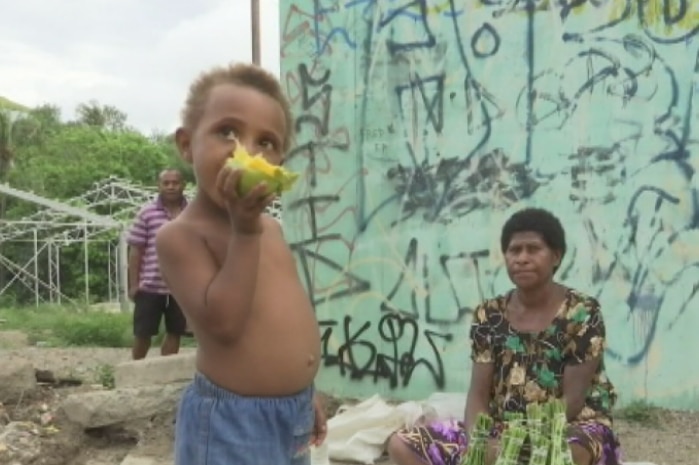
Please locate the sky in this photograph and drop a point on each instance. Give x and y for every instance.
(138, 55)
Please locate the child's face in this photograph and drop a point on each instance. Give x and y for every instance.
(232, 112)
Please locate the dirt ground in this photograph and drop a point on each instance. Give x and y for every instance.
(670, 439)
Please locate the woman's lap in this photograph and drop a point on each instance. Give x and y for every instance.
(599, 441)
(445, 442)
(439, 443)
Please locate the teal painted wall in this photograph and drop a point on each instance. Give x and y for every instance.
(422, 125)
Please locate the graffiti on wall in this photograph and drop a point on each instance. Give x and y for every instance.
(421, 125)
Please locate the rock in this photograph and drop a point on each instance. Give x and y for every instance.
(155, 370)
(45, 418)
(45, 376)
(19, 443)
(16, 378)
(105, 408)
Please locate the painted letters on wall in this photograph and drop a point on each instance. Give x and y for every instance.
(423, 124)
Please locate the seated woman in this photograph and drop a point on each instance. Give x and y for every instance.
(539, 341)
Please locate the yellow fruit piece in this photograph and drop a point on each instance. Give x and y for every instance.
(257, 170)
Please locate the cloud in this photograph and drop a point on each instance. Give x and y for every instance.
(139, 56)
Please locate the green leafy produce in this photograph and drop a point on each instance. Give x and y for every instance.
(478, 441)
(511, 442)
(538, 428)
(544, 426)
(560, 451)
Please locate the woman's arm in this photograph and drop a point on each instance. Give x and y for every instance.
(483, 367)
(576, 382)
(583, 355)
(478, 396)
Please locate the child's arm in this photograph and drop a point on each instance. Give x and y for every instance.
(217, 300)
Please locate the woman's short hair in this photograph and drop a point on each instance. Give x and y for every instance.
(535, 220)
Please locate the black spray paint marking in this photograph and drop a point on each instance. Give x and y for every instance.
(386, 351)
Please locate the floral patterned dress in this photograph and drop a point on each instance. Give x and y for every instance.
(529, 368)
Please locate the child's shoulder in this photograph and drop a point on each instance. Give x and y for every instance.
(178, 231)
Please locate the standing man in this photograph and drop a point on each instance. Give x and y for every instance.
(152, 299)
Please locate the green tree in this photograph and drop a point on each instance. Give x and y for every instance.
(48, 118)
(101, 116)
(62, 160)
(17, 127)
(167, 143)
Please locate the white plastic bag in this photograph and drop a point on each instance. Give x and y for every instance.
(359, 433)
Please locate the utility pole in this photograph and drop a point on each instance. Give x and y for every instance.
(255, 21)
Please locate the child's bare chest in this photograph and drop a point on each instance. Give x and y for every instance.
(271, 250)
(217, 243)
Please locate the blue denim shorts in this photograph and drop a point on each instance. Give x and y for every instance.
(217, 427)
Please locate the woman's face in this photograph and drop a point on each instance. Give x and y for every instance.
(530, 262)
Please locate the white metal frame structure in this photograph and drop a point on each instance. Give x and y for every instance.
(57, 224)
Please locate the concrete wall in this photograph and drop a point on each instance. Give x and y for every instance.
(424, 124)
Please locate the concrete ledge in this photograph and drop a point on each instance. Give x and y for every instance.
(103, 408)
(155, 371)
(135, 460)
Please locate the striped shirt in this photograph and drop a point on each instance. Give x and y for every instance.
(142, 234)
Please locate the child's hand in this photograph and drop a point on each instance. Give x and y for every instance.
(320, 429)
(245, 211)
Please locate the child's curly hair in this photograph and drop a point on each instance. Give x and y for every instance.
(241, 74)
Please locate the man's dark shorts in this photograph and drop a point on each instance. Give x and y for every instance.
(149, 308)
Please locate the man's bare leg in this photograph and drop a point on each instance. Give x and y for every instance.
(140, 348)
(171, 344)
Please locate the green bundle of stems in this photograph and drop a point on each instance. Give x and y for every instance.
(540, 448)
(512, 440)
(560, 451)
(544, 426)
(478, 441)
(513, 417)
(538, 429)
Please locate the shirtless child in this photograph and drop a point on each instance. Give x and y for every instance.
(252, 400)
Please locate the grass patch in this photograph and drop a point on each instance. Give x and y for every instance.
(62, 326)
(105, 376)
(641, 412)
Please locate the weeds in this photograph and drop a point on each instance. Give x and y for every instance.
(63, 326)
(105, 376)
(641, 412)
